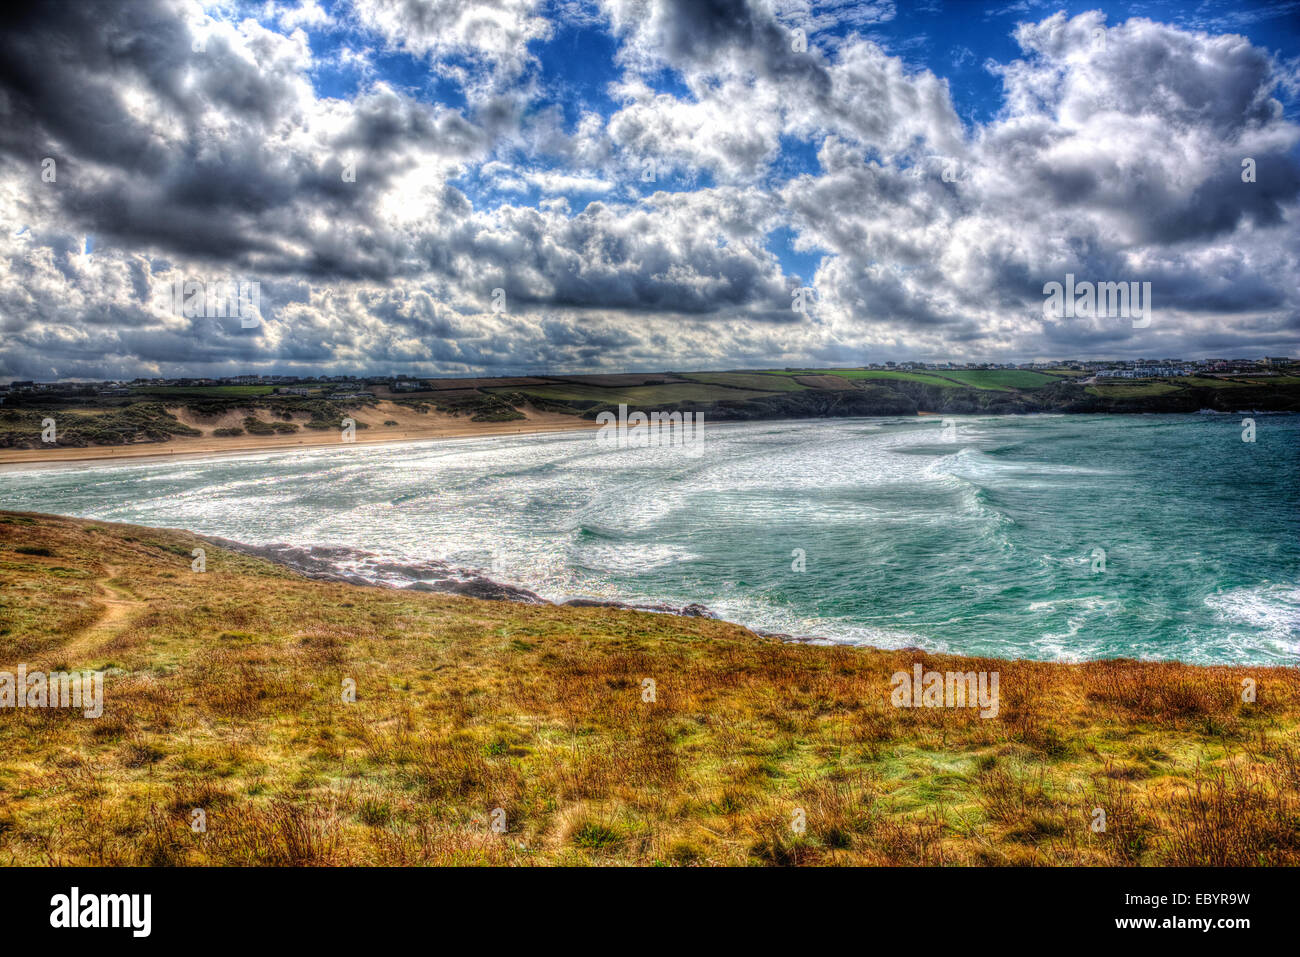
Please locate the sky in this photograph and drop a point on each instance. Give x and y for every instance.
(530, 186)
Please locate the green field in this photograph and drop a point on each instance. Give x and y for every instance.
(1252, 381)
(925, 378)
(999, 380)
(204, 391)
(761, 381)
(1132, 388)
(1212, 383)
(1005, 379)
(646, 395)
(1135, 388)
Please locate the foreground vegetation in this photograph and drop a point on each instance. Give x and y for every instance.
(224, 694)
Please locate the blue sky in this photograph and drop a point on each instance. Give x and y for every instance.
(575, 66)
(647, 182)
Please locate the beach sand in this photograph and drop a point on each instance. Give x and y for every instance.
(411, 426)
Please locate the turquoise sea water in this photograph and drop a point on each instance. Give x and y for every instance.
(986, 544)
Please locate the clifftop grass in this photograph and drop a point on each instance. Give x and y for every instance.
(224, 694)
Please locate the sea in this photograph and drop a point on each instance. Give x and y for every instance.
(1048, 537)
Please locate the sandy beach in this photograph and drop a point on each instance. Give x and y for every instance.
(411, 426)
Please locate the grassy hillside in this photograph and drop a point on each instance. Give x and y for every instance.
(85, 419)
(1001, 378)
(992, 379)
(1132, 388)
(925, 378)
(642, 395)
(758, 381)
(224, 694)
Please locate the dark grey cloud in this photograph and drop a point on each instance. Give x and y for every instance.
(1117, 161)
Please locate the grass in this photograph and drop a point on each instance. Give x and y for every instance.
(757, 381)
(925, 378)
(141, 422)
(641, 396)
(223, 694)
(204, 391)
(998, 380)
(1135, 388)
(1212, 382)
(1132, 388)
(1001, 378)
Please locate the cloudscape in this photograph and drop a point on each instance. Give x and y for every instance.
(517, 186)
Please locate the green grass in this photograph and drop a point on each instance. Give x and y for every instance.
(758, 381)
(993, 380)
(649, 395)
(925, 378)
(997, 380)
(1246, 382)
(1132, 388)
(1005, 379)
(1209, 382)
(204, 392)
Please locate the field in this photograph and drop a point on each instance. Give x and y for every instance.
(757, 381)
(1132, 388)
(1124, 388)
(926, 378)
(224, 694)
(646, 395)
(1001, 378)
(204, 391)
(994, 379)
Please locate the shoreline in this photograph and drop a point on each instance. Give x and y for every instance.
(320, 562)
(314, 563)
(441, 427)
(194, 448)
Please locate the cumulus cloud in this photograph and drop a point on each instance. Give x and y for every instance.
(197, 141)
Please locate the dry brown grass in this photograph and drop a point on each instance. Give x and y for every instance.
(224, 694)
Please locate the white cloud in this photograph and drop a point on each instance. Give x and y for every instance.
(1116, 156)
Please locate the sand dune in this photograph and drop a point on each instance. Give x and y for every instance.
(411, 426)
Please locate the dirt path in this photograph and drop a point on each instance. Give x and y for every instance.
(118, 608)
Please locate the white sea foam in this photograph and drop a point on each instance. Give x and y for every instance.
(1273, 609)
(909, 540)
